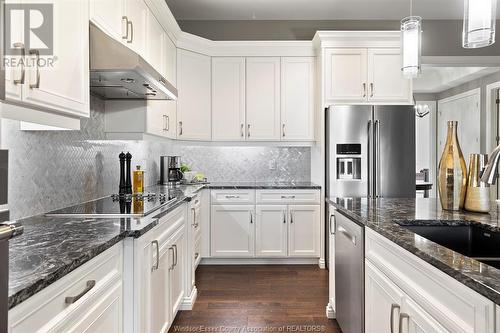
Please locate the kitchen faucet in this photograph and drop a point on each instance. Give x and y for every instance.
(490, 173)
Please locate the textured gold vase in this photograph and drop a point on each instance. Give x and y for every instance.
(452, 175)
(477, 198)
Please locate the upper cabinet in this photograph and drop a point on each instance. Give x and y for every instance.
(362, 75)
(297, 98)
(263, 98)
(135, 20)
(109, 16)
(155, 44)
(228, 99)
(194, 101)
(58, 81)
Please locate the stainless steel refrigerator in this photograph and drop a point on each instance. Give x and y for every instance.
(371, 151)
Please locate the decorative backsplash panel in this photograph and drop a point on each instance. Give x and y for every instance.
(54, 169)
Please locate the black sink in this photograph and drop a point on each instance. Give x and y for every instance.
(469, 239)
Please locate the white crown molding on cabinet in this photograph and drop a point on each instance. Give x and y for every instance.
(353, 39)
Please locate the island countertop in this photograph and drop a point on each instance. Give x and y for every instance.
(380, 215)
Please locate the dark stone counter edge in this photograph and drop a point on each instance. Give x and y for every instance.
(491, 294)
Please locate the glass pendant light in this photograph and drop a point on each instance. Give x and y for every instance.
(411, 44)
(479, 23)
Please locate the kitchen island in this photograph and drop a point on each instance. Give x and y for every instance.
(429, 284)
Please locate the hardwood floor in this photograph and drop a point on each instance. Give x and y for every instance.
(258, 299)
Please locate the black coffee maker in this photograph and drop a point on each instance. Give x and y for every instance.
(170, 170)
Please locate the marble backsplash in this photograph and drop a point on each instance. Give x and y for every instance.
(54, 169)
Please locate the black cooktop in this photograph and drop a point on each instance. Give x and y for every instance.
(132, 205)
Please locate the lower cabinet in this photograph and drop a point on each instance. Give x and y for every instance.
(233, 231)
(303, 235)
(89, 299)
(405, 294)
(159, 271)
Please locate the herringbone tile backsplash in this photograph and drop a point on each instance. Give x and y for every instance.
(54, 169)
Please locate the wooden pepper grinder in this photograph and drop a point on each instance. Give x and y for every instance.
(122, 174)
(128, 179)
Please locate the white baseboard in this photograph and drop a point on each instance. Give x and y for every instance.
(259, 261)
(188, 302)
(330, 312)
(322, 263)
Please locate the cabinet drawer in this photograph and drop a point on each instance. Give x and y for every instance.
(302, 197)
(237, 197)
(455, 306)
(48, 310)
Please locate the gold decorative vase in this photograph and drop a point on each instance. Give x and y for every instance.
(477, 198)
(452, 176)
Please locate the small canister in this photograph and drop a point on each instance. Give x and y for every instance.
(477, 198)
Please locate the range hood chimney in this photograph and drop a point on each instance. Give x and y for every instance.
(117, 72)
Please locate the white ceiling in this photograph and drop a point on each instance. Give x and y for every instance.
(314, 9)
(438, 79)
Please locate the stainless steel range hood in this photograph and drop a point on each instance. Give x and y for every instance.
(117, 72)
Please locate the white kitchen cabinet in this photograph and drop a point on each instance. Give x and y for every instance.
(15, 76)
(271, 231)
(303, 235)
(108, 16)
(177, 270)
(346, 75)
(136, 16)
(159, 280)
(383, 302)
(386, 84)
(228, 99)
(233, 231)
(297, 98)
(263, 99)
(432, 301)
(130, 119)
(170, 61)
(194, 236)
(193, 104)
(365, 75)
(155, 43)
(64, 86)
(99, 309)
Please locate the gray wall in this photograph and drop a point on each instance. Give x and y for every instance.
(440, 37)
(54, 169)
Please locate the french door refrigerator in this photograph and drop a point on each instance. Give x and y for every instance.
(371, 151)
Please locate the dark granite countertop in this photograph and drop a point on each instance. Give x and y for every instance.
(52, 247)
(381, 214)
(263, 186)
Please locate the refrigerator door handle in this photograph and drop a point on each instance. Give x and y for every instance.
(370, 167)
(377, 159)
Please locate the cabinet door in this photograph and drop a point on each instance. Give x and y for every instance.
(386, 82)
(15, 73)
(193, 103)
(303, 235)
(155, 43)
(108, 16)
(65, 86)
(271, 231)
(136, 12)
(331, 257)
(178, 268)
(159, 292)
(383, 301)
(156, 121)
(233, 230)
(346, 75)
(170, 119)
(263, 98)
(228, 99)
(170, 60)
(417, 320)
(297, 99)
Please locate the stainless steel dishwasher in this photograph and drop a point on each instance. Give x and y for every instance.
(349, 274)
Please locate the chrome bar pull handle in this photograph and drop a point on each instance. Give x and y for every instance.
(284, 130)
(157, 264)
(168, 123)
(175, 250)
(402, 317)
(284, 217)
(131, 39)
(242, 130)
(73, 299)
(173, 258)
(291, 216)
(371, 89)
(248, 130)
(370, 167)
(23, 67)
(36, 52)
(377, 159)
(251, 217)
(332, 227)
(393, 307)
(125, 18)
(180, 127)
(364, 89)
